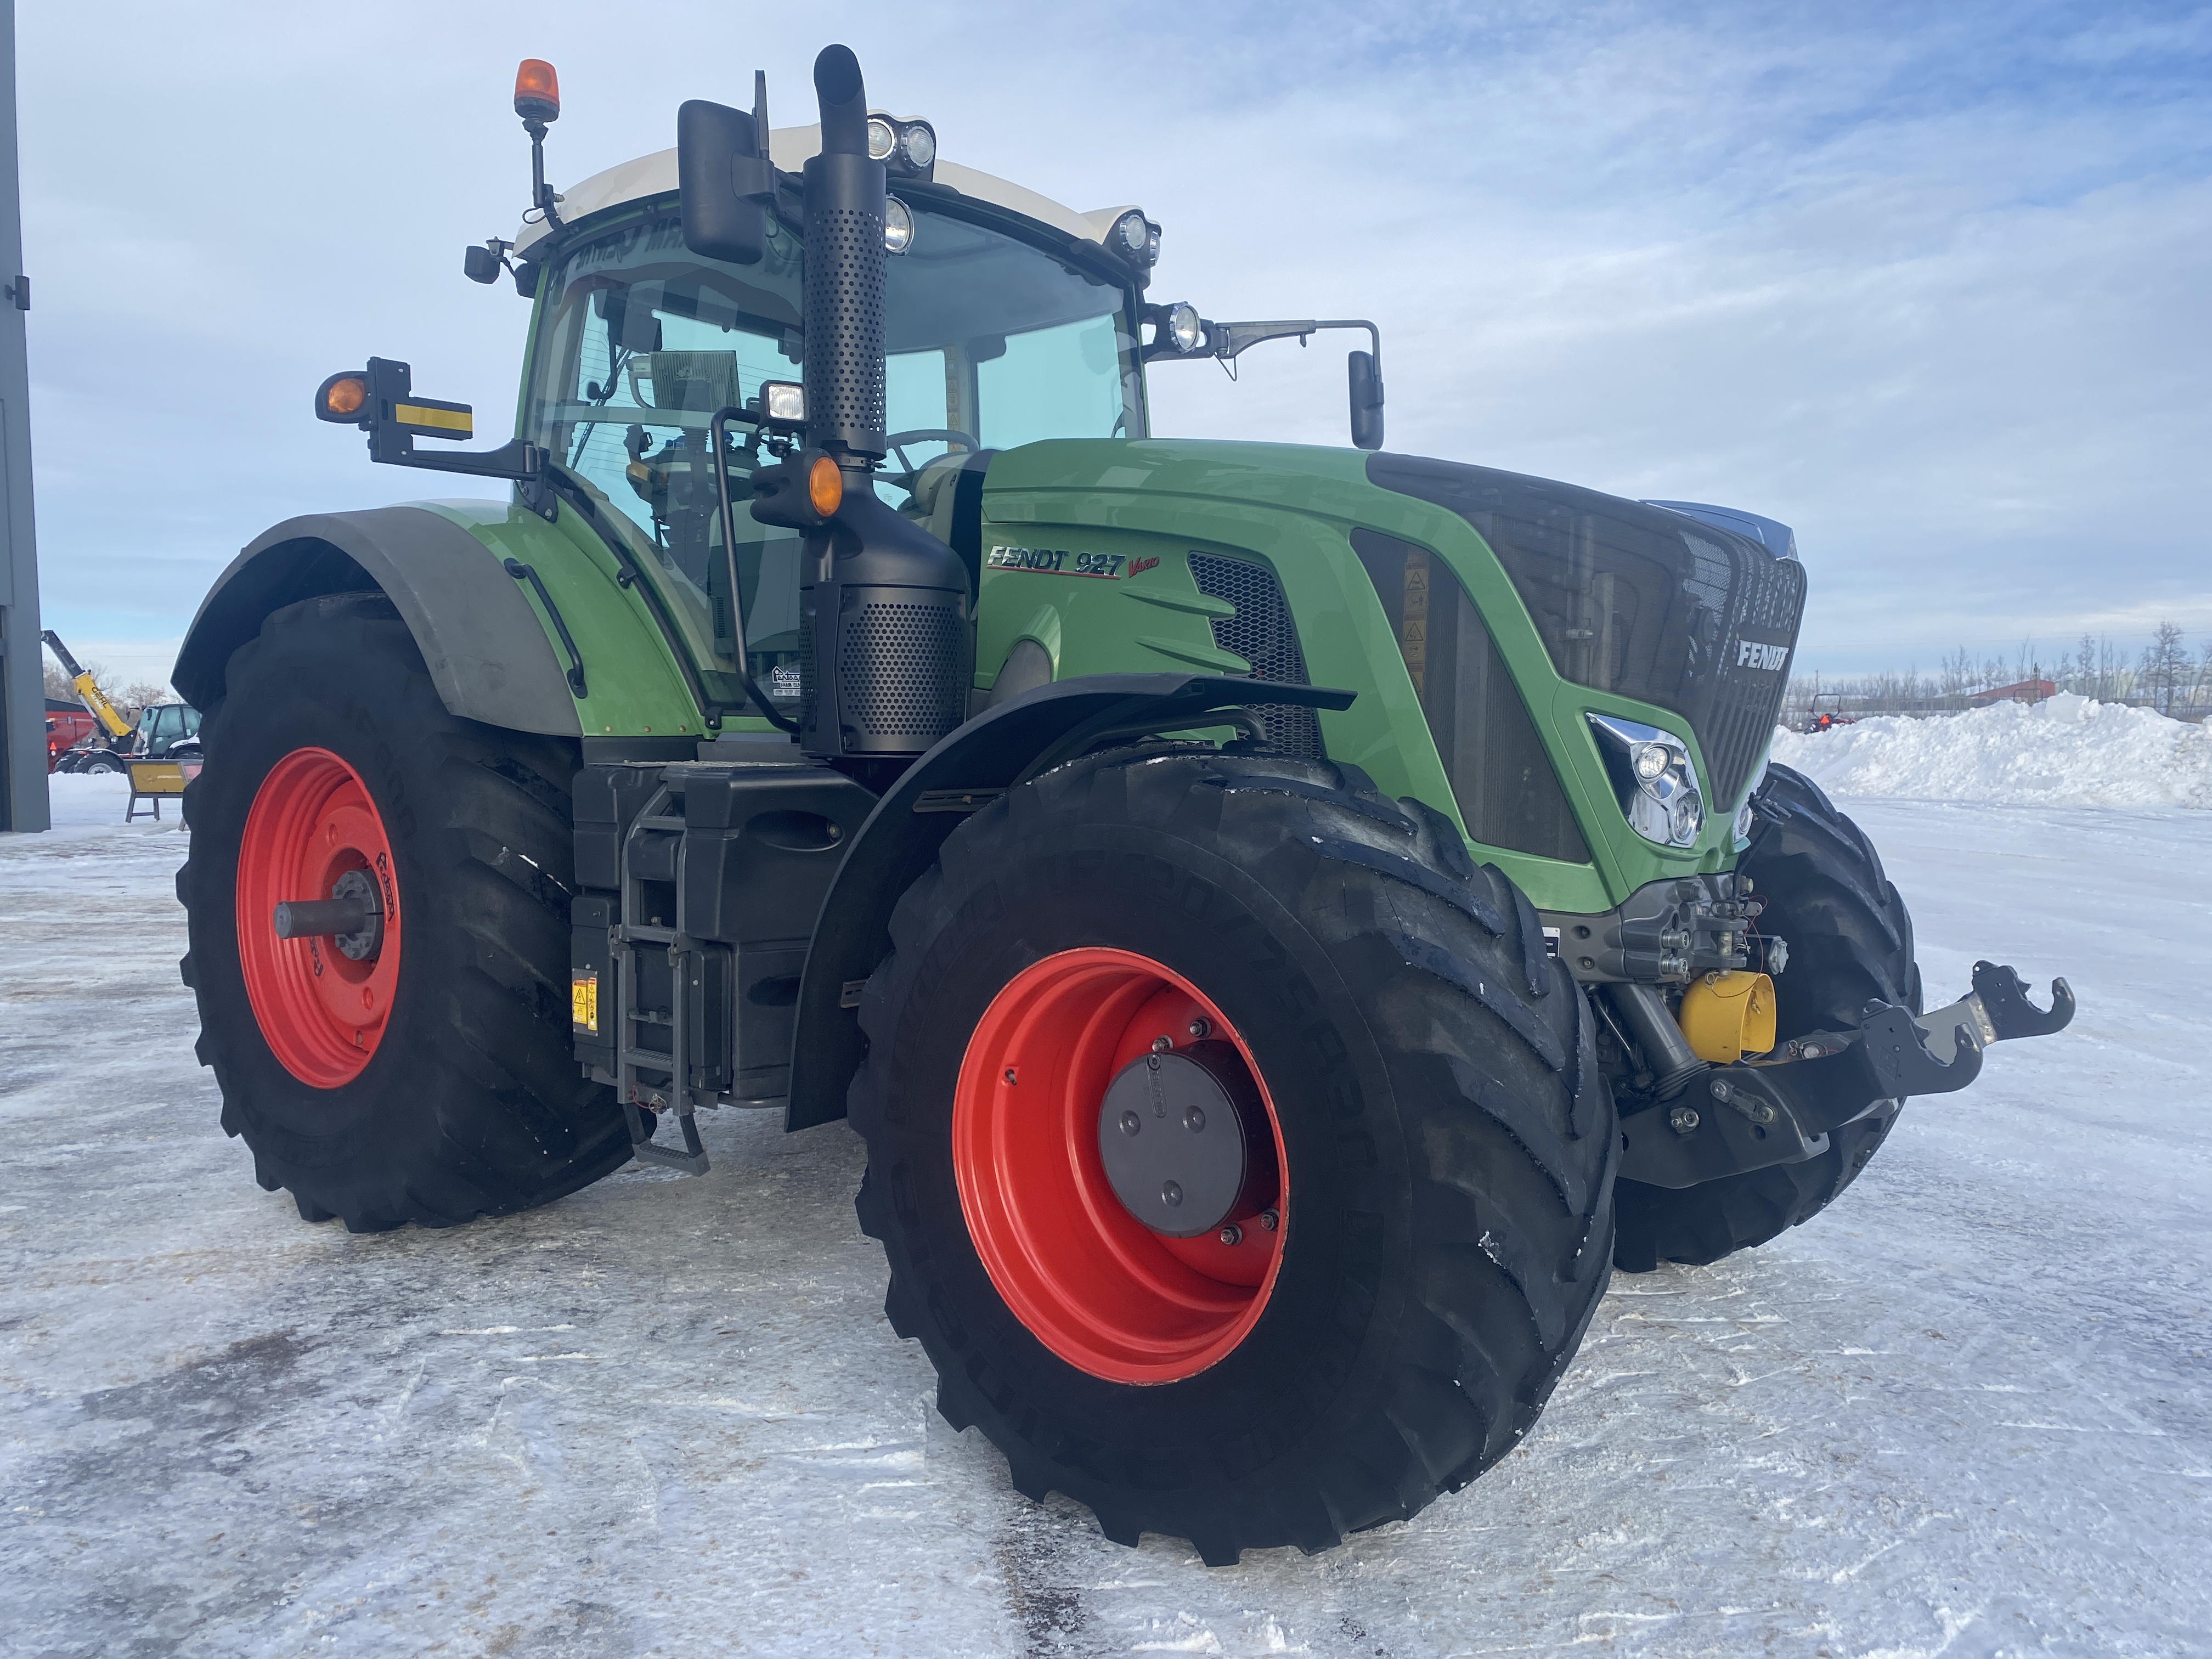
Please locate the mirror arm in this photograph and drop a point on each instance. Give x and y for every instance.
(1226, 341)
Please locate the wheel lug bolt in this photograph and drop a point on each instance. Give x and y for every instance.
(1199, 1028)
(1010, 1075)
(1194, 1120)
(1232, 1234)
(1269, 1221)
(1162, 1044)
(1131, 1123)
(1170, 1193)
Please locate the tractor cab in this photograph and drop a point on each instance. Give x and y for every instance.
(1007, 319)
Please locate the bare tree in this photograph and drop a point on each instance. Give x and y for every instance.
(2165, 668)
(141, 693)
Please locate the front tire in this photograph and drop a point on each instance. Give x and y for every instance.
(431, 1080)
(1851, 942)
(1445, 1145)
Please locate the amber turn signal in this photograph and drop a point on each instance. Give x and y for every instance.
(537, 91)
(341, 398)
(825, 487)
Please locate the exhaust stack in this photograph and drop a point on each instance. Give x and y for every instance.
(845, 256)
(885, 640)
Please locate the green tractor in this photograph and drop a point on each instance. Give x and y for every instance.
(1287, 922)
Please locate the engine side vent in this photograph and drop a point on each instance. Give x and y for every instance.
(1262, 633)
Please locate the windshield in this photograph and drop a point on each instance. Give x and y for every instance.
(991, 342)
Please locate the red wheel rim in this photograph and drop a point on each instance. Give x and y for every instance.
(1089, 1281)
(321, 1012)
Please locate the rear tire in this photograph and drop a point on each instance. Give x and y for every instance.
(1851, 942)
(469, 1101)
(1448, 1144)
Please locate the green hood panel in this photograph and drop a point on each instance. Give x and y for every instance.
(1086, 550)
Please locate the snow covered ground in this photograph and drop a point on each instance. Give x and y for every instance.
(1965, 1413)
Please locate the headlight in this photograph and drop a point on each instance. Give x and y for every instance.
(1653, 779)
(898, 226)
(1185, 330)
(881, 139)
(919, 141)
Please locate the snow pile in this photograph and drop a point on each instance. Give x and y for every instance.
(2068, 751)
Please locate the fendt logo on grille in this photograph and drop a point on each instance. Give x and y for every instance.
(1750, 653)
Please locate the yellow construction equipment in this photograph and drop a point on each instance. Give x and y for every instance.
(87, 689)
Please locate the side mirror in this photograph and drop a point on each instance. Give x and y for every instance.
(480, 264)
(1366, 400)
(726, 182)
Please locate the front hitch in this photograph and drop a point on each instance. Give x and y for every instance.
(1940, 1052)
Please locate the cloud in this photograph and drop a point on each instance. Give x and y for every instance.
(1926, 282)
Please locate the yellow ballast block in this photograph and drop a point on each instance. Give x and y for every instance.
(1728, 1015)
(459, 421)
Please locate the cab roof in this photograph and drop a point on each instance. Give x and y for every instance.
(789, 147)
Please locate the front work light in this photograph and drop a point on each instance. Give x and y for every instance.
(1653, 779)
(1186, 331)
(537, 91)
(898, 226)
(918, 143)
(882, 139)
(783, 404)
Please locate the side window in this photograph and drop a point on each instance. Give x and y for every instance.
(1508, 794)
(651, 362)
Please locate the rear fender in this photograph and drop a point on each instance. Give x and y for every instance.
(969, 769)
(486, 651)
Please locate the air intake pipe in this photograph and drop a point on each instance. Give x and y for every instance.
(886, 639)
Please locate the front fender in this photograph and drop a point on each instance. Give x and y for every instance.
(968, 768)
(486, 650)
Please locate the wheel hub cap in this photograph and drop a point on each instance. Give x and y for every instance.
(1172, 1135)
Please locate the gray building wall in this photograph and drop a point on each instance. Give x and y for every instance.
(22, 702)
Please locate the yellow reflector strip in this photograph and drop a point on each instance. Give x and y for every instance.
(584, 993)
(442, 420)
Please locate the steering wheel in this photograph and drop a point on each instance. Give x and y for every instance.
(897, 441)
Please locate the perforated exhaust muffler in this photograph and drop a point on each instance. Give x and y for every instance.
(886, 638)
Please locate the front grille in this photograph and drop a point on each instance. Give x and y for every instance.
(1634, 599)
(1262, 633)
(1769, 599)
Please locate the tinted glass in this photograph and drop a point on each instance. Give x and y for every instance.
(1509, 794)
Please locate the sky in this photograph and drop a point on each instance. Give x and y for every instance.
(1930, 283)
